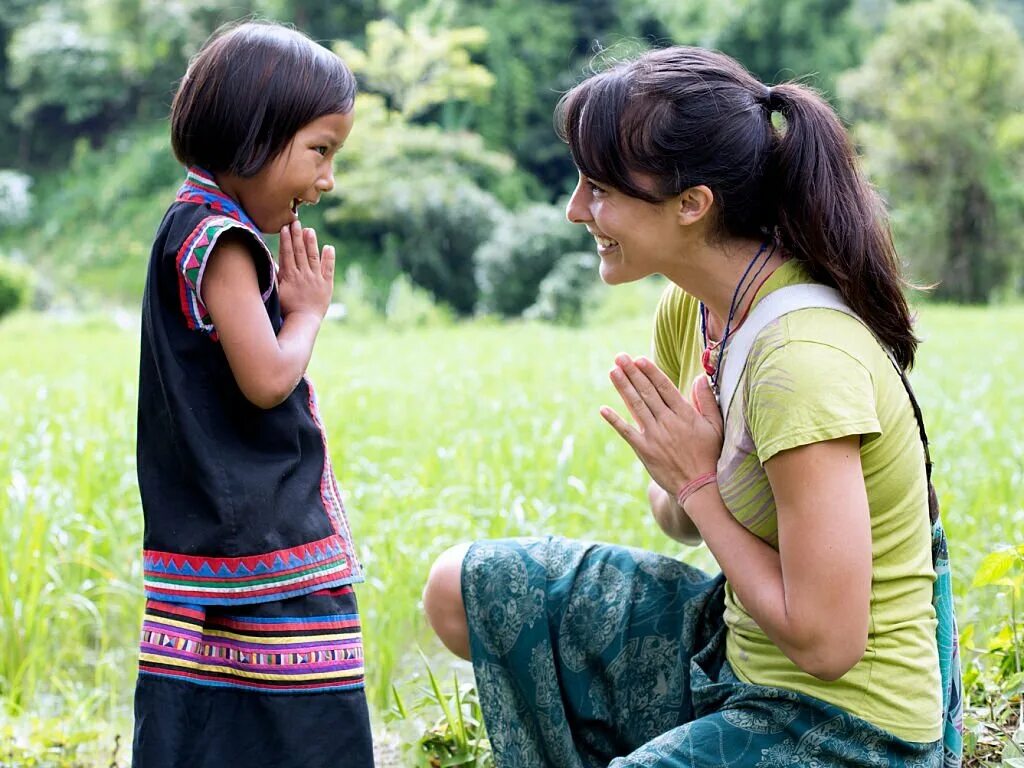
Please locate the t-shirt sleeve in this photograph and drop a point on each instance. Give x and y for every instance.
(194, 255)
(807, 392)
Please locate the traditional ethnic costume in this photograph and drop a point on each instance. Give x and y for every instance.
(251, 650)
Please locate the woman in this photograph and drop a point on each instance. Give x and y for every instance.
(817, 644)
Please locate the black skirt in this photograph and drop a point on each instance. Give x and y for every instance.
(271, 684)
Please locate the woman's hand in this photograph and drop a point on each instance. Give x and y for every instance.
(305, 280)
(677, 441)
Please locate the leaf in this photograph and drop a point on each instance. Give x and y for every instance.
(994, 567)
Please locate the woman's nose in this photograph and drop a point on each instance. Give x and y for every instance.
(577, 210)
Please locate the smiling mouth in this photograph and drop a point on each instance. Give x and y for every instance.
(605, 242)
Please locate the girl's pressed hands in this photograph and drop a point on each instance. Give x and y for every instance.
(306, 274)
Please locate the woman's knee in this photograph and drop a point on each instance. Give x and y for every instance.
(442, 600)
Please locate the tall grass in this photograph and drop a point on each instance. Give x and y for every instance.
(438, 436)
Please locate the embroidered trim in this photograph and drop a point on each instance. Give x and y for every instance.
(255, 579)
(200, 187)
(286, 655)
(329, 493)
(191, 265)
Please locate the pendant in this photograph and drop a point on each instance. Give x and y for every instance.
(709, 360)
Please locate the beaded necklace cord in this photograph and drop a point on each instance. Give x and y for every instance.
(711, 367)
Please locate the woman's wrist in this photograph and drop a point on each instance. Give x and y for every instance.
(695, 485)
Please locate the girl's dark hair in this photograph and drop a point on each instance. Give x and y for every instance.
(688, 116)
(248, 91)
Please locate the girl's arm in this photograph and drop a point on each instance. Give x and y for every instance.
(812, 596)
(268, 366)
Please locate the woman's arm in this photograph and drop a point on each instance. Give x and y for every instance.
(267, 367)
(672, 520)
(811, 597)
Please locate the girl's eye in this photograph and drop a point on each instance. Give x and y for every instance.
(595, 190)
(322, 150)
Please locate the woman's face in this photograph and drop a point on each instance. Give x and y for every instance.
(634, 238)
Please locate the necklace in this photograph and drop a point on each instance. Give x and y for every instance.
(713, 351)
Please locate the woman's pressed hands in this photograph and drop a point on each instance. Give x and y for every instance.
(677, 441)
(306, 275)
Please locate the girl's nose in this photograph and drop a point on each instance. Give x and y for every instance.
(326, 183)
(577, 211)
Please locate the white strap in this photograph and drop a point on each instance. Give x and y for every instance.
(771, 307)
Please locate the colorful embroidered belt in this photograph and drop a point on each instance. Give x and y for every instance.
(273, 655)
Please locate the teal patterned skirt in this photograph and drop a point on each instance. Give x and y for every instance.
(593, 655)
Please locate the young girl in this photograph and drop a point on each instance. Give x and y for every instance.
(251, 648)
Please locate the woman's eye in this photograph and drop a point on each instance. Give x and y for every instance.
(322, 150)
(595, 189)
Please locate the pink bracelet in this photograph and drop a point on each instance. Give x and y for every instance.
(694, 485)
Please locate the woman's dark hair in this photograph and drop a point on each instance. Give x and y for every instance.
(688, 116)
(248, 91)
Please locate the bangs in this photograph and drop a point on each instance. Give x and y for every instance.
(593, 119)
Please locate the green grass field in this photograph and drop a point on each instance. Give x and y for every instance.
(438, 435)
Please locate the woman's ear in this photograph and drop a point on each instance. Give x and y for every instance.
(694, 204)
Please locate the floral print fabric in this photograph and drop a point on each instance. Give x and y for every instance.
(592, 655)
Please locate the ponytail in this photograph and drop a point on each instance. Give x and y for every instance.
(831, 220)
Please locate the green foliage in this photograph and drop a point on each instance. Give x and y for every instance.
(37, 742)
(937, 103)
(456, 738)
(523, 250)
(814, 39)
(418, 68)
(15, 286)
(563, 295)
(410, 199)
(95, 223)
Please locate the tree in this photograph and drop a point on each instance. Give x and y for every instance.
(937, 104)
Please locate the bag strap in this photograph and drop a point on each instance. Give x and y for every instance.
(788, 299)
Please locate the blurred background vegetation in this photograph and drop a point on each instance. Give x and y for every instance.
(452, 185)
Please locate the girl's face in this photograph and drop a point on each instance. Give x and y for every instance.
(299, 175)
(635, 238)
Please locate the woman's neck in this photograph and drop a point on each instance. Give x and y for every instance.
(712, 273)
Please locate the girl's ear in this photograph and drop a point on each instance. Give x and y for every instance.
(694, 204)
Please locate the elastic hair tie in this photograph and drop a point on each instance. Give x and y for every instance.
(693, 486)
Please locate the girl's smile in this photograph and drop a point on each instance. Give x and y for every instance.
(298, 176)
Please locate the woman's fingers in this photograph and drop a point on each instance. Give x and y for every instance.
(667, 391)
(642, 384)
(634, 402)
(706, 402)
(620, 425)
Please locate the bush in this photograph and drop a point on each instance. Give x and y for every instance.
(521, 252)
(435, 228)
(562, 297)
(15, 286)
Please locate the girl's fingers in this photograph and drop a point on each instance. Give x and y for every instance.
(285, 250)
(312, 250)
(327, 263)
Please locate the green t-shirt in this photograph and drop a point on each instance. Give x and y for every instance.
(815, 375)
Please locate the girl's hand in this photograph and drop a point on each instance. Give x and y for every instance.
(676, 441)
(305, 280)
